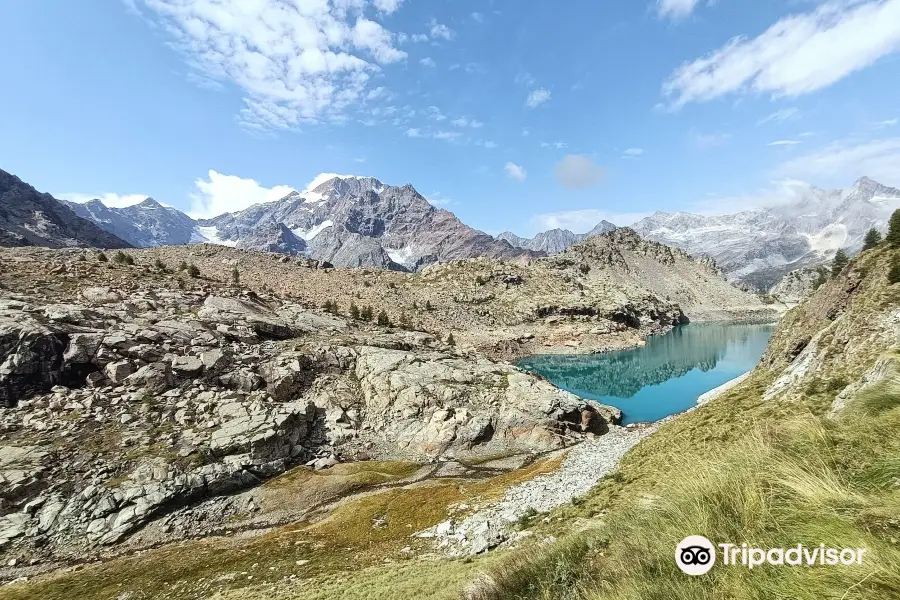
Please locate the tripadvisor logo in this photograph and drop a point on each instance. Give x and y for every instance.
(696, 555)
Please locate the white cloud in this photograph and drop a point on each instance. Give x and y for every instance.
(799, 54)
(634, 152)
(675, 9)
(778, 192)
(428, 62)
(387, 6)
(888, 122)
(419, 37)
(575, 172)
(295, 61)
(537, 97)
(315, 182)
(109, 199)
(487, 144)
(780, 116)
(435, 113)
(440, 31)
(556, 145)
(784, 143)
(446, 135)
(414, 132)
(477, 17)
(460, 122)
(847, 160)
(582, 221)
(515, 171)
(228, 193)
(709, 140)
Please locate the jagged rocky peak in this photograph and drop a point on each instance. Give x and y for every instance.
(554, 241)
(348, 186)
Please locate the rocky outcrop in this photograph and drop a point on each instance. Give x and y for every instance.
(797, 286)
(29, 218)
(555, 241)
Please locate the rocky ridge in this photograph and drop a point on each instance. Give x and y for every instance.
(29, 218)
(555, 241)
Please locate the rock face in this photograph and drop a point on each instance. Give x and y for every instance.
(758, 247)
(29, 218)
(797, 286)
(555, 241)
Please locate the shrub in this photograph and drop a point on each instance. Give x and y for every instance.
(120, 257)
(894, 273)
(383, 319)
(102, 257)
(235, 276)
(193, 271)
(182, 266)
(159, 265)
(354, 311)
(428, 306)
(404, 321)
(451, 340)
(366, 313)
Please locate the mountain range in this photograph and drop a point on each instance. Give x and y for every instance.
(30, 218)
(758, 247)
(555, 241)
(349, 222)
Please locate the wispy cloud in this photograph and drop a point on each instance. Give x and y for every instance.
(676, 9)
(387, 6)
(555, 145)
(294, 64)
(780, 116)
(515, 171)
(414, 132)
(427, 62)
(708, 140)
(797, 55)
(633, 152)
(784, 143)
(846, 160)
(888, 123)
(537, 97)
(440, 31)
(477, 17)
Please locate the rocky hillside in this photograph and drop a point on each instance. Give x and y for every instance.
(555, 241)
(797, 286)
(758, 247)
(130, 391)
(29, 218)
(622, 260)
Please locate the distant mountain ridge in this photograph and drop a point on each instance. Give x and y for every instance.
(347, 221)
(30, 218)
(555, 241)
(758, 247)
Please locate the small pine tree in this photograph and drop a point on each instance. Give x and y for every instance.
(193, 271)
(428, 306)
(182, 266)
(873, 238)
(235, 276)
(821, 279)
(404, 321)
(102, 257)
(451, 340)
(894, 273)
(840, 261)
(354, 311)
(129, 260)
(120, 257)
(366, 313)
(383, 319)
(893, 235)
(159, 265)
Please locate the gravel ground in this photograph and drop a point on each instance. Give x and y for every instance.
(583, 467)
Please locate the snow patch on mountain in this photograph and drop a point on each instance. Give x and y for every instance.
(210, 235)
(308, 234)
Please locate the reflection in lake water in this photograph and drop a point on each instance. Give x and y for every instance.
(665, 376)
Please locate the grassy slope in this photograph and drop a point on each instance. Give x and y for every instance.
(771, 473)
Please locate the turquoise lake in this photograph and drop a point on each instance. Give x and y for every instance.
(665, 376)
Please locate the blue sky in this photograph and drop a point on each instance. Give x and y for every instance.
(515, 115)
